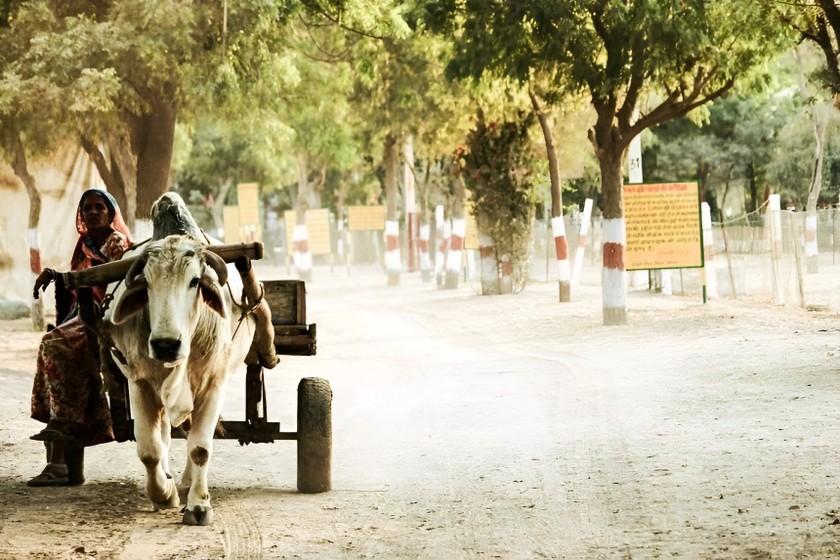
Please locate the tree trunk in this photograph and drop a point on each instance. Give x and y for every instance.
(561, 245)
(611, 142)
(118, 172)
(752, 202)
(301, 254)
(614, 283)
(21, 169)
(821, 114)
(343, 244)
(454, 252)
(392, 225)
(423, 191)
(153, 138)
(218, 209)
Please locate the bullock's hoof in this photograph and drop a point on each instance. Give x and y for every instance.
(171, 503)
(199, 515)
(169, 500)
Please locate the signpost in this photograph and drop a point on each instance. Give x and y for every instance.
(663, 226)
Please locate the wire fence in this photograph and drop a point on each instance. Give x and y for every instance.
(740, 261)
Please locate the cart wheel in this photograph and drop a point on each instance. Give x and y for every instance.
(314, 435)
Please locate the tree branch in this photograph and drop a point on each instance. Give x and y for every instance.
(99, 161)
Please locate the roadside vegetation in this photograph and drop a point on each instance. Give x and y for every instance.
(510, 110)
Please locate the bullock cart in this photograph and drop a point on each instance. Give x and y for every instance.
(280, 309)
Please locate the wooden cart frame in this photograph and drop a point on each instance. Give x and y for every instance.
(292, 336)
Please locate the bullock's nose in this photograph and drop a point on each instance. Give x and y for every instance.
(165, 348)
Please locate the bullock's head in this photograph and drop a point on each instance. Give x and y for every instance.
(172, 279)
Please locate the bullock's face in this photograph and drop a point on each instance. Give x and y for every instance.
(171, 280)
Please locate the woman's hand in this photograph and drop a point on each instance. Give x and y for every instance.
(47, 275)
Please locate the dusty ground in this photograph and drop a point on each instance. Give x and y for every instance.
(504, 427)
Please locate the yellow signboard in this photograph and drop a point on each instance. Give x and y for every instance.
(248, 195)
(663, 226)
(365, 218)
(231, 220)
(317, 228)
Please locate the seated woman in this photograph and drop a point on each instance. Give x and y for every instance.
(67, 393)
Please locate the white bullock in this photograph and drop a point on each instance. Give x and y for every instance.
(176, 331)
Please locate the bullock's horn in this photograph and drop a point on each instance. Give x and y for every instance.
(218, 265)
(134, 277)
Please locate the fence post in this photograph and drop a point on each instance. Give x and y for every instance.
(586, 218)
(709, 268)
(774, 218)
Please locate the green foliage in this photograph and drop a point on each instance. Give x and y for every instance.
(755, 140)
(224, 152)
(497, 167)
(113, 71)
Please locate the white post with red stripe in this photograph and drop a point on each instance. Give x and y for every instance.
(585, 222)
(33, 240)
(454, 255)
(709, 264)
(392, 251)
(441, 243)
(613, 277)
(425, 258)
(561, 250)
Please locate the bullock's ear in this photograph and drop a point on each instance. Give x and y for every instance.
(212, 295)
(132, 301)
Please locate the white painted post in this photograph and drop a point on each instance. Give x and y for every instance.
(425, 259)
(561, 251)
(774, 211)
(301, 255)
(709, 268)
(441, 243)
(454, 255)
(392, 251)
(33, 239)
(613, 274)
(585, 221)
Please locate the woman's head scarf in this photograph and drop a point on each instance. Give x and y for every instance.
(114, 217)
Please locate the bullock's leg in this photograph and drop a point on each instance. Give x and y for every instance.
(150, 424)
(199, 449)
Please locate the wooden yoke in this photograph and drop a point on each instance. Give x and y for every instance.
(116, 270)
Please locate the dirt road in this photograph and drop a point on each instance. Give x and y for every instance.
(508, 427)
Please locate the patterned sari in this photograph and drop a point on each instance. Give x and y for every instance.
(68, 384)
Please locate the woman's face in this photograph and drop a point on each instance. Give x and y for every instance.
(95, 212)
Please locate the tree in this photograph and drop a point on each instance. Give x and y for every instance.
(689, 53)
(818, 22)
(497, 168)
(224, 154)
(124, 72)
(736, 144)
(400, 93)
